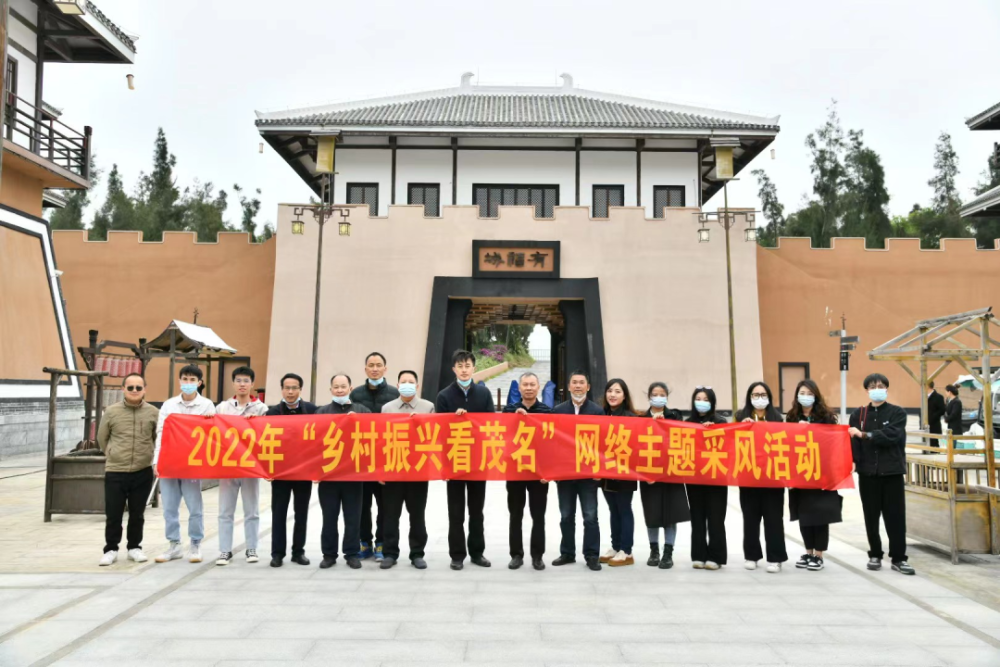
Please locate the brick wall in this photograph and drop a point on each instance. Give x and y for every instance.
(24, 427)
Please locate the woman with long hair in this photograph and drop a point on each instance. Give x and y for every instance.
(617, 402)
(664, 505)
(708, 502)
(814, 509)
(762, 504)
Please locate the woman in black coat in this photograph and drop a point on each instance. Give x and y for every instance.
(618, 493)
(760, 503)
(664, 505)
(953, 411)
(814, 509)
(708, 502)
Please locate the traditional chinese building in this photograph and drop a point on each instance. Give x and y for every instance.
(41, 157)
(988, 203)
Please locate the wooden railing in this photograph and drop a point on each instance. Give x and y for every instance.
(49, 138)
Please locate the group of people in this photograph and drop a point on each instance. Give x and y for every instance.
(131, 432)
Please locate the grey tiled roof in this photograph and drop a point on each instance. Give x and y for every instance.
(989, 199)
(477, 109)
(99, 15)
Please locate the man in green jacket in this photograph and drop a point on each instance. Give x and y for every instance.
(127, 437)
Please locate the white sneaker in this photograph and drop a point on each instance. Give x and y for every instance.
(621, 558)
(252, 556)
(108, 558)
(608, 555)
(194, 555)
(750, 564)
(774, 568)
(711, 565)
(136, 555)
(172, 553)
(698, 565)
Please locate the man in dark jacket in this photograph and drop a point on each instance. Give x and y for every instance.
(536, 491)
(462, 396)
(584, 489)
(373, 394)
(333, 495)
(878, 444)
(283, 489)
(935, 411)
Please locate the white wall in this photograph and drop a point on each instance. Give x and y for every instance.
(669, 169)
(517, 167)
(364, 166)
(26, 38)
(423, 166)
(606, 168)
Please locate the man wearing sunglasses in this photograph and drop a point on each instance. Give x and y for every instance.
(127, 437)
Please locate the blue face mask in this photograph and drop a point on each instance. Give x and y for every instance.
(189, 388)
(878, 395)
(658, 401)
(703, 407)
(806, 401)
(341, 400)
(464, 384)
(407, 389)
(375, 383)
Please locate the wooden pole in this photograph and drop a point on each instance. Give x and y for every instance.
(991, 469)
(51, 452)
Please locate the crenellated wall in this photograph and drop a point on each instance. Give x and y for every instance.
(883, 292)
(127, 289)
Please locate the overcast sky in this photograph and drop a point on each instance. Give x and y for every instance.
(901, 71)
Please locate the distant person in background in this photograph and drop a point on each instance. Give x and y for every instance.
(953, 410)
(935, 411)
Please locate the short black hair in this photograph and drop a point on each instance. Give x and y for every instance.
(290, 376)
(416, 377)
(930, 383)
(191, 369)
(461, 356)
(586, 376)
(143, 378)
(244, 370)
(376, 354)
(876, 377)
(953, 388)
(334, 377)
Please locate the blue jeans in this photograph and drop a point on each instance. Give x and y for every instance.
(586, 491)
(622, 519)
(171, 492)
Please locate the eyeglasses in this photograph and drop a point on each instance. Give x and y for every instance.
(134, 388)
(758, 395)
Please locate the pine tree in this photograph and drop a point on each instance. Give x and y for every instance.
(71, 215)
(945, 199)
(827, 147)
(202, 212)
(157, 196)
(117, 212)
(865, 196)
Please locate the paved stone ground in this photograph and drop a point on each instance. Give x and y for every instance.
(183, 614)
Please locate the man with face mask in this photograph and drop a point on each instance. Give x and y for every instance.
(878, 444)
(373, 394)
(412, 494)
(283, 489)
(584, 489)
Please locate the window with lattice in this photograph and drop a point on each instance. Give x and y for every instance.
(606, 196)
(363, 193)
(666, 195)
(428, 194)
(488, 197)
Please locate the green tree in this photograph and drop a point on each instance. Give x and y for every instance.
(945, 199)
(202, 211)
(71, 215)
(827, 147)
(865, 196)
(808, 221)
(250, 208)
(772, 209)
(987, 229)
(117, 212)
(157, 195)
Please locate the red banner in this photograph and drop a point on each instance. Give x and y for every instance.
(397, 448)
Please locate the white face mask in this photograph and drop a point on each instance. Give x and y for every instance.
(579, 398)
(759, 403)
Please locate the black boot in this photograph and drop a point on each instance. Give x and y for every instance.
(654, 555)
(667, 561)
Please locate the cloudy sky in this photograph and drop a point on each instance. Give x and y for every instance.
(901, 71)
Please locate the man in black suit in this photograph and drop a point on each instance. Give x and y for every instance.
(935, 411)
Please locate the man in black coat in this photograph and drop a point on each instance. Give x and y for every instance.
(536, 491)
(373, 394)
(283, 489)
(460, 397)
(334, 495)
(878, 444)
(584, 489)
(935, 411)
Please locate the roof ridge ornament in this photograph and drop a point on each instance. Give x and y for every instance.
(467, 79)
(567, 81)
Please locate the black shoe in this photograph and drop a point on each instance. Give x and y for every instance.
(276, 562)
(874, 563)
(803, 561)
(563, 560)
(457, 565)
(387, 563)
(327, 562)
(515, 563)
(538, 563)
(815, 563)
(667, 561)
(903, 567)
(418, 563)
(300, 559)
(481, 561)
(594, 563)
(654, 555)
(354, 563)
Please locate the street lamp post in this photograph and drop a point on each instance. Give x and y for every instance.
(321, 213)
